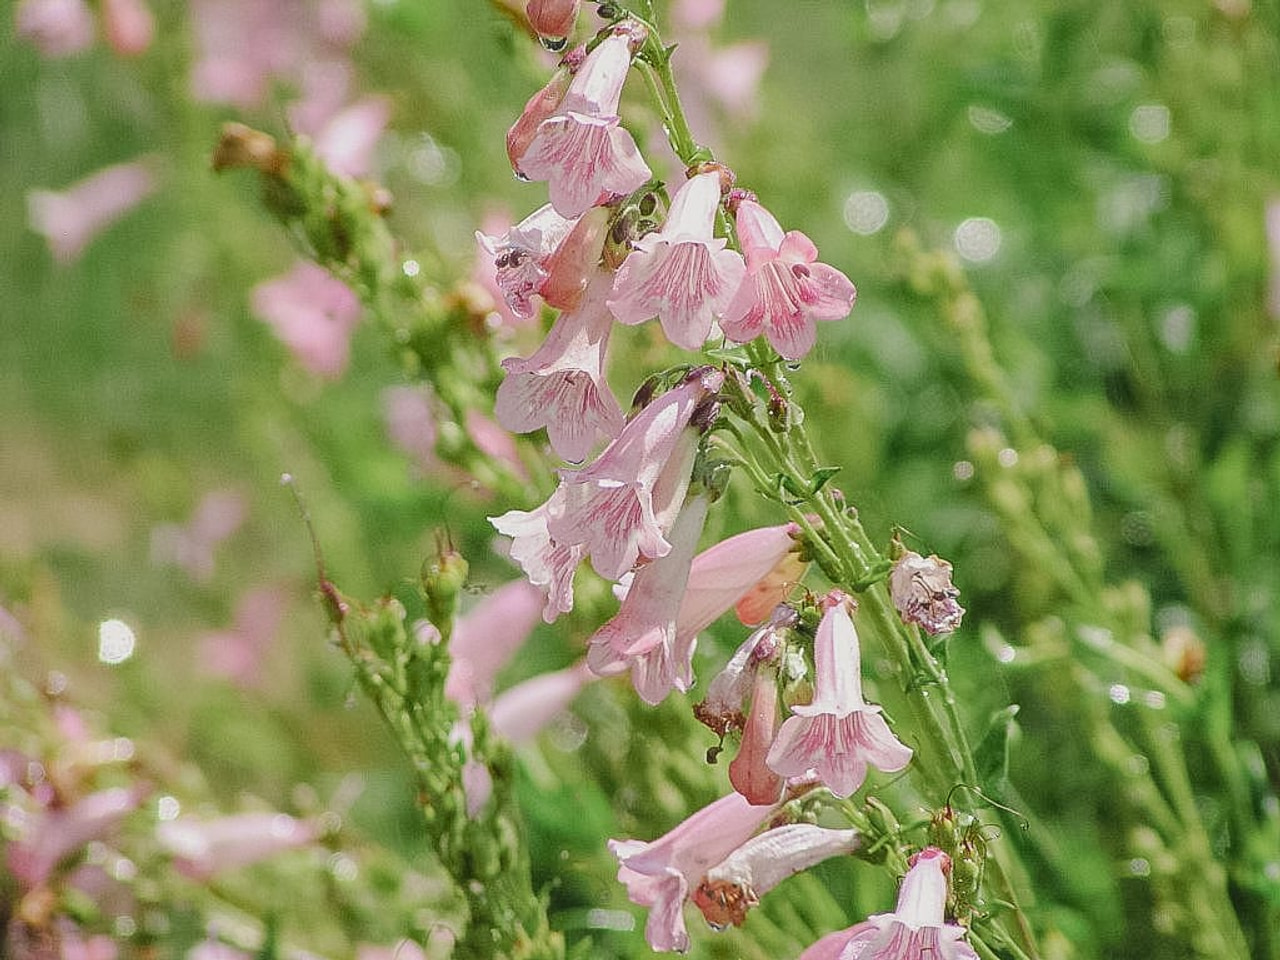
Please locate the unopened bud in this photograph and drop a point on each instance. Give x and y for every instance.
(573, 263)
(443, 578)
(553, 20)
(242, 147)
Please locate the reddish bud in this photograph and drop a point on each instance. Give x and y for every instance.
(541, 105)
(574, 262)
(553, 19)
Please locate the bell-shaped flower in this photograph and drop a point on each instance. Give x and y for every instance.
(682, 274)
(622, 505)
(548, 564)
(200, 848)
(726, 700)
(642, 634)
(786, 290)
(485, 638)
(581, 150)
(313, 313)
(916, 930)
(838, 735)
(553, 20)
(736, 884)
(522, 254)
(922, 592)
(562, 386)
(660, 874)
(71, 218)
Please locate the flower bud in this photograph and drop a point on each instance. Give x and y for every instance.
(539, 107)
(553, 19)
(573, 263)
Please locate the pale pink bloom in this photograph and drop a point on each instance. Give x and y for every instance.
(520, 713)
(486, 637)
(57, 28)
(573, 266)
(697, 14)
(129, 26)
(491, 440)
(1273, 248)
(340, 23)
(477, 781)
(581, 150)
(347, 141)
(237, 654)
(562, 385)
(521, 256)
(50, 835)
(916, 930)
(192, 546)
(622, 505)
(548, 564)
(682, 274)
(553, 19)
(402, 950)
(722, 575)
(411, 424)
(749, 772)
(69, 219)
(325, 86)
(736, 884)
(786, 291)
(838, 735)
(722, 709)
(660, 874)
(922, 591)
(202, 848)
(641, 636)
(240, 45)
(541, 106)
(313, 313)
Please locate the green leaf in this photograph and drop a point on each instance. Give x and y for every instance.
(821, 476)
(992, 754)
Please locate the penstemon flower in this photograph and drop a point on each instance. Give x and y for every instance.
(786, 291)
(562, 385)
(486, 637)
(916, 930)
(682, 274)
(549, 565)
(581, 150)
(522, 254)
(923, 593)
(838, 735)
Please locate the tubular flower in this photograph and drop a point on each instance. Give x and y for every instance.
(581, 150)
(548, 564)
(562, 386)
(621, 507)
(923, 593)
(839, 734)
(486, 637)
(71, 218)
(541, 106)
(736, 884)
(786, 291)
(914, 931)
(642, 635)
(722, 710)
(749, 773)
(521, 712)
(659, 874)
(313, 313)
(681, 274)
(521, 256)
(201, 848)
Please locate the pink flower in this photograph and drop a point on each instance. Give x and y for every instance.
(522, 255)
(839, 734)
(682, 274)
(549, 565)
(581, 150)
(57, 28)
(70, 219)
(786, 292)
(736, 884)
(485, 638)
(192, 547)
(722, 709)
(129, 26)
(642, 635)
(660, 874)
(572, 267)
(916, 930)
(313, 313)
(520, 713)
(922, 591)
(1272, 220)
(346, 142)
(237, 654)
(491, 440)
(411, 424)
(553, 19)
(201, 848)
(541, 106)
(54, 834)
(622, 505)
(749, 772)
(562, 386)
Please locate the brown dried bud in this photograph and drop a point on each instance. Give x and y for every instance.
(242, 147)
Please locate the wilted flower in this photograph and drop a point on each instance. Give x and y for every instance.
(923, 593)
(682, 274)
(726, 699)
(749, 771)
(916, 930)
(838, 735)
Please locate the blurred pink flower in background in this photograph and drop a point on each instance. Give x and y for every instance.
(129, 26)
(492, 440)
(237, 654)
(347, 141)
(411, 423)
(49, 836)
(313, 313)
(714, 79)
(521, 712)
(1273, 248)
(486, 637)
(218, 516)
(71, 218)
(200, 848)
(57, 28)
